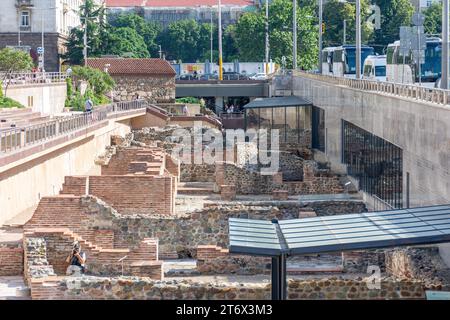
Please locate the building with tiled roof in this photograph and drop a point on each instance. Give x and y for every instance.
(148, 78)
(168, 11)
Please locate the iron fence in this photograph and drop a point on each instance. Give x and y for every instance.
(411, 91)
(32, 77)
(16, 138)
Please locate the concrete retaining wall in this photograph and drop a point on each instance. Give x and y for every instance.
(46, 98)
(422, 130)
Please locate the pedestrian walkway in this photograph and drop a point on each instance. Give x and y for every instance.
(13, 288)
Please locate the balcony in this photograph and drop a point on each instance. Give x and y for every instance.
(24, 3)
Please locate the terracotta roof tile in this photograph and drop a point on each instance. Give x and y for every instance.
(150, 66)
(175, 3)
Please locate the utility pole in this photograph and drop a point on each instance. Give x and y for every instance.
(220, 42)
(445, 45)
(294, 35)
(211, 61)
(267, 36)
(345, 32)
(85, 40)
(320, 34)
(42, 40)
(358, 39)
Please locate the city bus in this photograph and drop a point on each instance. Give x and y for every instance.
(401, 69)
(344, 60)
(327, 60)
(375, 68)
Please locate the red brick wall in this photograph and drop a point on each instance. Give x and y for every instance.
(74, 185)
(119, 164)
(11, 261)
(135, 194)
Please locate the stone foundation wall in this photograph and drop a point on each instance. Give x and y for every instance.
(253, 182)
(198, 172)
(424, 264)
(74, 288)
(11, 260)
(154, 89)
(215, 260)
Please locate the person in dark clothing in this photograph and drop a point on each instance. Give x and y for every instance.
(76, 259)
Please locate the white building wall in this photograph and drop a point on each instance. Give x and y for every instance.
(59, 16)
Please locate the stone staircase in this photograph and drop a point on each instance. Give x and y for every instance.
(195, 188)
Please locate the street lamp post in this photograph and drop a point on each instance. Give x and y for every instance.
(211, 61)
(220, 41)
(345, 32)
(294, 35)
(445, 45)
(320, 33)
(358, 39)
(267, 36)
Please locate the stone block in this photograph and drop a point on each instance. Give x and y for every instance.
(280, 194)
(228, 192)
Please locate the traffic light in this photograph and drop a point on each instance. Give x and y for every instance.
(323, 27)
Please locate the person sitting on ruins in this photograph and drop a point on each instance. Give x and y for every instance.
(76, 260)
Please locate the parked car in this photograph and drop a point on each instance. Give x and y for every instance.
(259, 76)
(187, 77)
(209, 76)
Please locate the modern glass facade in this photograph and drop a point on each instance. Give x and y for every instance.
(293, 122)
(375, 162)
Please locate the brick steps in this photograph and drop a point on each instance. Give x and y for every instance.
(194, 188)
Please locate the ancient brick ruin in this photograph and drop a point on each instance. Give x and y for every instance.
(145, 215)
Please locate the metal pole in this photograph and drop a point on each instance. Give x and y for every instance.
(20, 24)
(220, 42)
(42, 39)
(445, 45)
(345, 32)
(211, 61)
(160, 52)
(358, 39)
(294, 35)
(320, 33)
(267, 36)
(275, 278)
(85, 41)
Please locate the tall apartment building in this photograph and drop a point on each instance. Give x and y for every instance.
(23, 22)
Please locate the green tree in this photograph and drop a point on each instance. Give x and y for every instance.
(334, 14)
(12, 60)
(125, 41)
(187, 40)
(99, 84)
(394, 14)
(250, 34)
(96, 33)
(433, 19)
(148, 30)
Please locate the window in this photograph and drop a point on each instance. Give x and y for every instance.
(375, 162)
(380, 71)
(367, 70)
(25, 19)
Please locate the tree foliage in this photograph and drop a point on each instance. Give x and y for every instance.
(394, 14)
(149, 31)
(433, 19)
(125, 41)
(12, 60)
(250, 34)
(187, 40)
(99, 84)
(334, 14)
(93, 16)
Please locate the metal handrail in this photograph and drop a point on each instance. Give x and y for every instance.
(20, 78)
(16, 138)
(411, 91)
